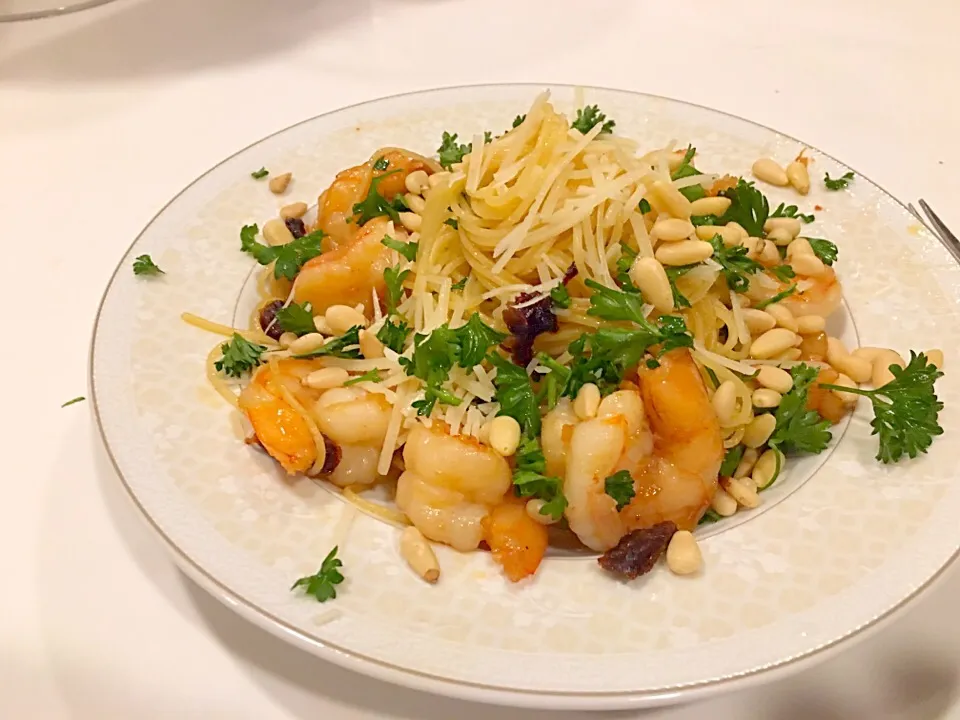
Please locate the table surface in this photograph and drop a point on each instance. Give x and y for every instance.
(106, 114)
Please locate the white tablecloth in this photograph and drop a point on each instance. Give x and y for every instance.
(105, 115)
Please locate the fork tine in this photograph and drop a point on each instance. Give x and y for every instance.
(941, 228)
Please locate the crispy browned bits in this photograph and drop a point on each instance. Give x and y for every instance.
(268, 315)
(525, 323)
(296, 227)
(332, 458)
(638, 551)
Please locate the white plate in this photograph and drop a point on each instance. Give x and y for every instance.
(781, 585)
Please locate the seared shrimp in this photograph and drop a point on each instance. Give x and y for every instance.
(449, 486)
(678, 479)
(281, 430)
(517, 541)
(821, 298)
(335, 213)
(357, 422)
(555, 436)
(349, 274)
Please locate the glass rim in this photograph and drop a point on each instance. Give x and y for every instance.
(65, 9)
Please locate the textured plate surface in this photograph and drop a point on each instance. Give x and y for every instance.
(839, 544)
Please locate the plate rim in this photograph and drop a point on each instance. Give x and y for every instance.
(429, 682)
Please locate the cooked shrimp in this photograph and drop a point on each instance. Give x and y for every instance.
(555, 436)
(358, 426)
(335, 213)
(517, 541)
(821, 298)
(349, 274)
(449, 486)
(678, 479)
(281, 430)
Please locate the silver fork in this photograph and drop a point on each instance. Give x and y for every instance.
(937, 227)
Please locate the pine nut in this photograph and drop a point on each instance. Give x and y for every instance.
(729, 236)
(437, 178)
(683, 553)
(534, 507)
(800, 246)
(650, 277)
(741, 492)
(780, 237)
(370, 346)
(790, 355)
(587, 402)
(881, 374)
(411, 221)
(766, 398)
(723, 504)
(835, 349)
(784, 317)
(279, 183)
(935, 358)
(769, 171)
(293, 210)
(807, 265)
(758, 321)
(341, 318)
(769, 255)
(772, 342)
(766, 467)
(416, 182)
(307, 343)
(684, 252)
(745, 466)
(799, 177)
(845, 397)
(320, 323)
(710, 206)
(504, 435)
(791, 225)
(415, 549)
(666, 198)
(811, 324)
(775, 378)
(857, 369)
(416, 203)
(759, 430)
(326, 378)
(753, 246)
(868, 353)
(748, 482)
(724, 402)
(737, 227)
(338, 396)
(671, 229)
(286, 339)
(276, 232)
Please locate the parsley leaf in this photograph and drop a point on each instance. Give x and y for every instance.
(624, 263)
(394, 335)
(731, 460)
(515, 394)
(644, 206)
(590, 116)
(381, 164)
(518, 120)
(288, 258)
(620, 487)
(434, 355)
(376, 205)
(799, 429)
(673, 273)
(776, 298)
(824, 249)
(452, 222)
(749, 208)
(611, 304)
(337, 347)
(783, 272)
(144, 265)
(784, 210)
(260, 174)
(837, 183)
(407, 249)
(710, 516)
(701, 220)
(296, 318)
(529, 480)
(735, 263)
(80, 398)
(459, 284)
(560, 296)
(905, 410)
(239, 356)
(474, 339)
(394, 278)
(449, 152)
(371, 376)
(322, 584)
(686, 169)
